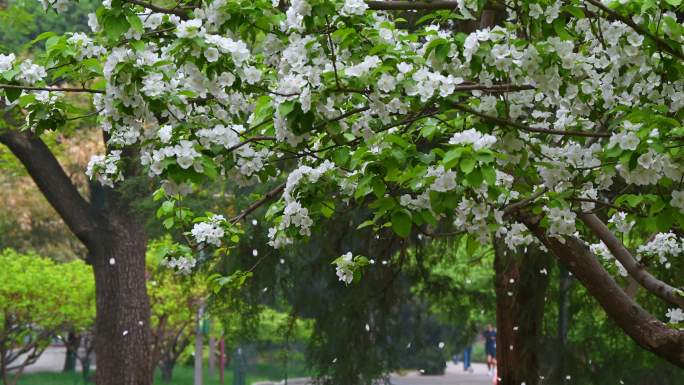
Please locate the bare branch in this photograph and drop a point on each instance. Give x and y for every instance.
(411, 5)
(266, 198)
(54, 183)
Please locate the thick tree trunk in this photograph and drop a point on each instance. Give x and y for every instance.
(564, 286)
(520, 298)
(166, 369)
(122, 331)
(116, 244)
(72, 344)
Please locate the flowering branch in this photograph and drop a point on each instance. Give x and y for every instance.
(634, 268)
(248, 140)
(54, 89)
(178, 12)
(505, 122)
(640, 325)
(615, 15)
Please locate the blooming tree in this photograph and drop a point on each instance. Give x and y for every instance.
(554, 123)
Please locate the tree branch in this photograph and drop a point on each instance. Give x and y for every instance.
(647, 331)
(183, 14)
(519, 126)
(635, 269)
(636, 27)
(411, 5)
(266, 198)
(54, 89)
(54, 183)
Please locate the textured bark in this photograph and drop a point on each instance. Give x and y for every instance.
(111, 234)
(520, 298)
(72, 343)
(166, 369)
(646, 330)
(122, 334)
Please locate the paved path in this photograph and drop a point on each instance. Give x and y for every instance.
(454, 376)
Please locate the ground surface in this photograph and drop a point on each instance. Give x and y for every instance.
(454, 376)
(53, 359)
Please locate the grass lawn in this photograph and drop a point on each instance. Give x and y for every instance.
(182, 375)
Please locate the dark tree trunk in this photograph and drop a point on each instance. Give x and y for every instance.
(166, 369)
(122, 332)
(72, 343)
(116, 244)
(520, 298)
(565, 281)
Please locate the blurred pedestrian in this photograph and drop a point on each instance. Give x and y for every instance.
(490, 348)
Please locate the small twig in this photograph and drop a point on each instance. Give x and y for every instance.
(266, 198)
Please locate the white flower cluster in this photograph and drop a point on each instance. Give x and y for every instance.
(472, 216)
(474, 137)
(364, 67)
(344, 268)
(626, 139)
(420, 202)
(58, 5)
(31, 73)
(105, 168)
(210, 232)
(675, 315)
(561, 221)
(183, 264)
(516, 235)
(600, 249)
(85, 46)
(663, 245)
(444, 181)
(619, 220)
(294, 213)
(678, 200)
(184, 152)
(651, 167)
(6, 62)
(220, 135)
(354, 7)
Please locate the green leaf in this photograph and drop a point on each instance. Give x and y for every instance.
(664, 220)
(12, 94)
(364, 224)
(135, 22)
(401, 223)
(467, 164)
(168, 223)
(379, 187)
(674, 3)
(489, 174)
(286, 108)
(475, 178)
(115, 25)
